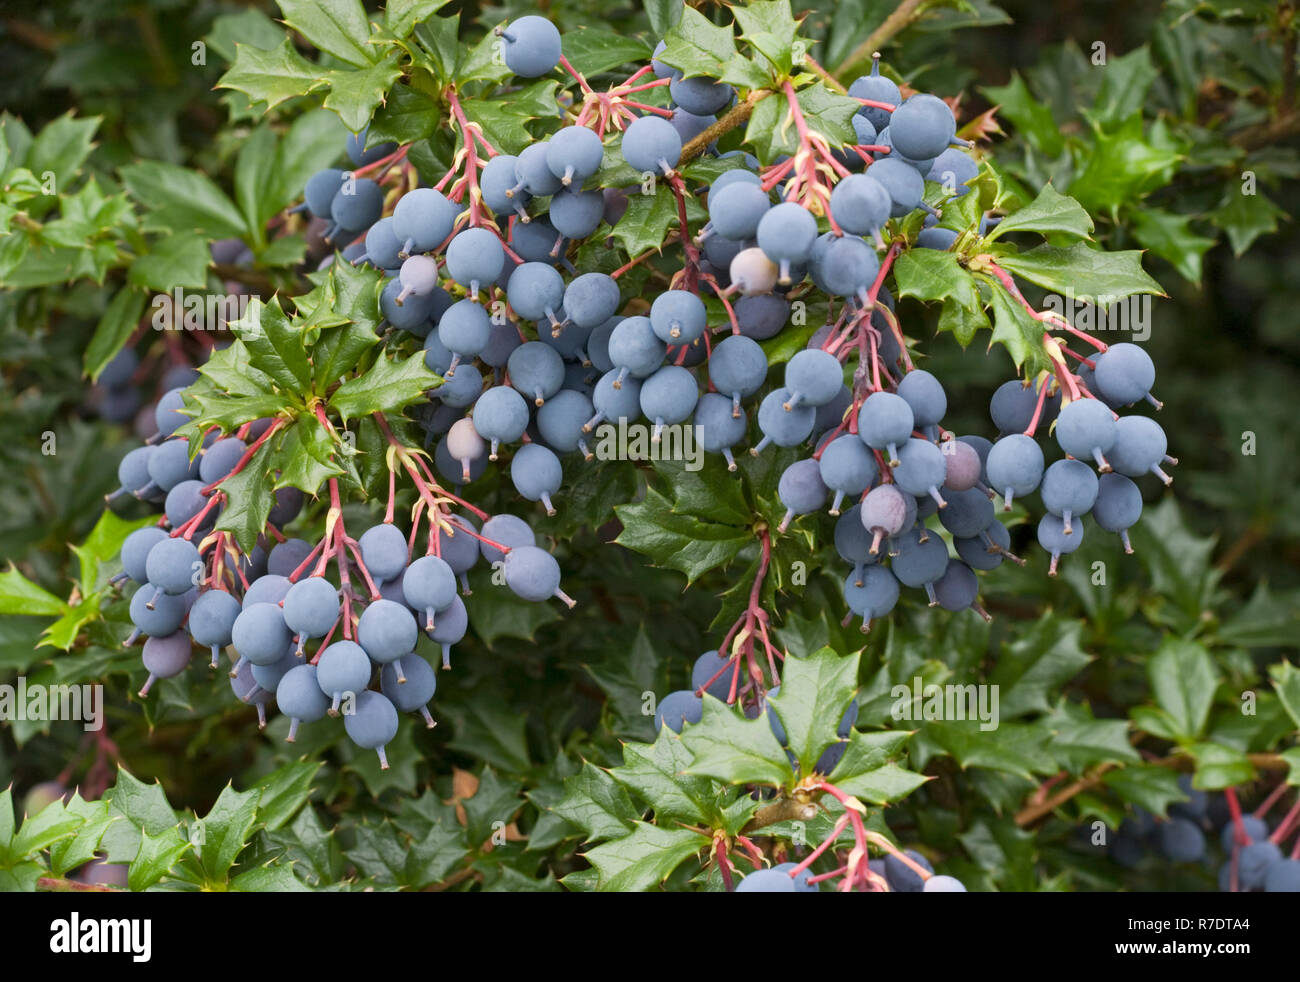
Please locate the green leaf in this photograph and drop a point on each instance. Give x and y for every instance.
(496, 613)
(355, 94)
(1245, 217)
(1015, 748)
(250, 498)
(647, 220)
(1015, 102)
(308, 455)
(19, 595)
(1086, 274)
(406, 116)
(1171, 237)
(675, 541)
(158, 854)
(868, 771)
(7, 825)
(103, 545)
(249, 26)
(593, 51)
(697, 46)
(663, 14)
(182, 200)
(735, 750)
(929, 274)
(114, 329)
(21, 878)
(485, 62)
(1183, 679)
(402, 16)
(1219, 767)
(283, 792)
(38, 832)
(1123, 166)
(339, 27)
(1286, 683)
(1042, 656)
(180, 260)
(645, 858)
(767, 17)
(963, 324)
(1051, 213)
(657, 772)
(815, 692)
(272, 76)
(771, 130)
(1124, 85)
(1016, 331)
(268, 879)
(1079, 741)
(390, 384)
(274, 344)
(597, 804)
(492, 806)
(144, 805)
(80, 848)
(61, 147)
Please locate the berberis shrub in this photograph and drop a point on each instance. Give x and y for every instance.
(465, 346)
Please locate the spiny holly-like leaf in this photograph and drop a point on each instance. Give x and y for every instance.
(730, 748)
(307, 454)
(79, 848)
(868, 769)
(1016, 331)
(645, 858)
(355, 94)
(406, 116)
(249, 499)
(19, 595)
(697, 46)
(1015, 748)
(391, 384)
(275, 345)
(283, 792)
(597, 804)
(593, 51)
(1051, 213)
(40, 831)
(1042, 656)
(657, 772)
(929, 274)
(1171, 237)
(680, 542)
(815, 691)
(1016, 103)
(158, 854)
(647, 220)
(272, 76)
(402, 16)
(225, 831)
(339, 27)
(1079, 740)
